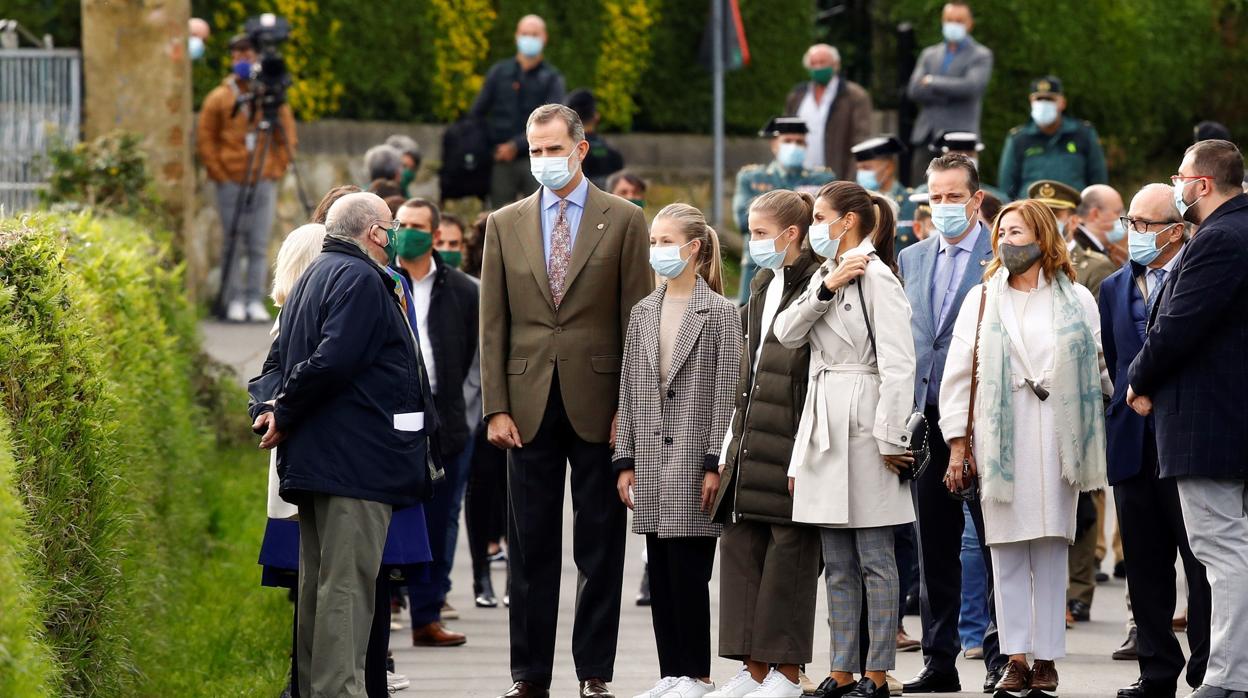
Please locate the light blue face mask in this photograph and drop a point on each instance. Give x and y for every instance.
(666, 260)
(1143, 246)
(765, 254)
(821, 240)
(1179, 203)
(1116, 233)
(791, 155)
(953, 32)
(867, 179)
(1044, 112)
(553, 172)
(950, 220)
(195, 47)
(529, 46)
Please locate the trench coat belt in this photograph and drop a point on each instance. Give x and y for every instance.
(817, 400)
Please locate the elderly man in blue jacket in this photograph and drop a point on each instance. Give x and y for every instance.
(350, 425)
(1191, 371)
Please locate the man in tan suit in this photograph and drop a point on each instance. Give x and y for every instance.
(562, 268)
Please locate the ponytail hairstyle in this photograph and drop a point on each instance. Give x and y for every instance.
(787, 208)
(873, 210)
(693, 226)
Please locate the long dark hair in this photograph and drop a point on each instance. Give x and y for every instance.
(875, 212)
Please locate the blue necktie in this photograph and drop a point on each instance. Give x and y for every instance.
(1159, 278)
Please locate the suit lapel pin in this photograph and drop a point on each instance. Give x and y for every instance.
(983, 262)
(601, 226)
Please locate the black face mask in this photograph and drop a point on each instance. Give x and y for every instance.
(1019, 258)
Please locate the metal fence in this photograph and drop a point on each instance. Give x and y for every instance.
(40, 104)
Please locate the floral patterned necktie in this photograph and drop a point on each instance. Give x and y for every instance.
(560, 253)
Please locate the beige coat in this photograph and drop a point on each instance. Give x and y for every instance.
(857, 404)
(523, 336)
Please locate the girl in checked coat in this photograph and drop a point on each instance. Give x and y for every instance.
(852, 440)
(681, 362)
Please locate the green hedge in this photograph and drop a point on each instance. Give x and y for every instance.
(100, 378)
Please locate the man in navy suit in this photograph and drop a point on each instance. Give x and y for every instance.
(1149, 514)
(1192, 372)
(938, 273)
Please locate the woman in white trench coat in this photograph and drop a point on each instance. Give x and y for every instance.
(852, 440)
(1039, 429)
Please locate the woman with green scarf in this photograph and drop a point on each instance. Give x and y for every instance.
(1037, 434)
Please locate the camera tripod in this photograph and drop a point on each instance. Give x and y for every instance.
(259, 140)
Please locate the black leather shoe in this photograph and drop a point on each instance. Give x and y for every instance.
(866, 688)
(595, 688)
(929, 681)
(991, 679)
(1080, 611)
(1145, 688)
(525, 689)
(829, 689)
(1128, 651)
(1207, 691)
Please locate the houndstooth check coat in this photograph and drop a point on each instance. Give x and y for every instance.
(672, 434)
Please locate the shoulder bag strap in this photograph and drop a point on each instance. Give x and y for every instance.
(970, 414)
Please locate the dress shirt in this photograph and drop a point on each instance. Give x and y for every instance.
(951, 263)
(815, 114)
(550, 213)
(422, 294)
(951, 50)
(1150, 278)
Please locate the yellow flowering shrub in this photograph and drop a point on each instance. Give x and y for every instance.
(623, 56)
(460, 42)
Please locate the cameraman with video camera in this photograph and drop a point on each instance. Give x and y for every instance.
(245, 162)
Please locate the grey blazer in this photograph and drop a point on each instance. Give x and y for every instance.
(954, 99)
(672, 434)
(917, 266)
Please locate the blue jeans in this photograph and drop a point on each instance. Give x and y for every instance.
(442, 520)
(973, 620)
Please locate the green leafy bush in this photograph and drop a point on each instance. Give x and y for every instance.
(108, 173)
(99, 371)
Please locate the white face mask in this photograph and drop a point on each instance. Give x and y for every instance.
(553, 172)
(1044, 112)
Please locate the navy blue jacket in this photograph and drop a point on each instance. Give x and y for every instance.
(1193, 362)
(350, 385)
(1124, 316)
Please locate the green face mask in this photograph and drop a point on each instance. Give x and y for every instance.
(413, 243)
(822, 76)
(453, 258)
(406, 179)
(390, 246)
(639, 202)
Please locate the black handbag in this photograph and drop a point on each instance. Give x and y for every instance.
(916, 424)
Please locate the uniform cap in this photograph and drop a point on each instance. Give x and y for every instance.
(1047, 86)
(1053, 194)
(959, 141)
(780, 125)
(878, 147)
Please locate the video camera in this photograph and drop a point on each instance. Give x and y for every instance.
(269, 77)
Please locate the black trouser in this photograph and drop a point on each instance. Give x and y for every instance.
(1151, 521)
(485, 499)
(535, 484)
(680, 603)
(378, 643)
(940, 524)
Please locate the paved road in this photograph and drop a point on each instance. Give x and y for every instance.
(480, 668)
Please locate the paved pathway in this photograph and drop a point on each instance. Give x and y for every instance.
(480, 668)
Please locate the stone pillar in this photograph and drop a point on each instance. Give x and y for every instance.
(137, 78)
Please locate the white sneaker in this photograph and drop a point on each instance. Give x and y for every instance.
(664, 685)
(256, 312)
(738, 686)
(236, 312)
(397, 682)
(688, 687)
(776, 686)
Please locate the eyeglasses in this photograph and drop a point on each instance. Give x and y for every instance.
(1141, 225)
(1177, 179)
(390, 226)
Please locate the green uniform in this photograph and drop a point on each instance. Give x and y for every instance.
(1072, 155)
(905, 215)
(754, 180)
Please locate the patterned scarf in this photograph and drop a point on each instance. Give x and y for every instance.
(1075, 396)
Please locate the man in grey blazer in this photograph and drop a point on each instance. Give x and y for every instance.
(938, 273)
(948, 84)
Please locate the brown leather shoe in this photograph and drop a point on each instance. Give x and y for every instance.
(1044, 678)
(436, 635)
(595, 688)
(905, 643)
(1015, 682)
(524, 689)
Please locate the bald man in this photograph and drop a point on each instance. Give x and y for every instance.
(351, 430)
(837, 112)
(513, 88)
(1100, 227)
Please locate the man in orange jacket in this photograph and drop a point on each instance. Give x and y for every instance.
(225, 138)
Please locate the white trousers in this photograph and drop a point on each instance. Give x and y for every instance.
(1030, 590)
(1216, 515)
